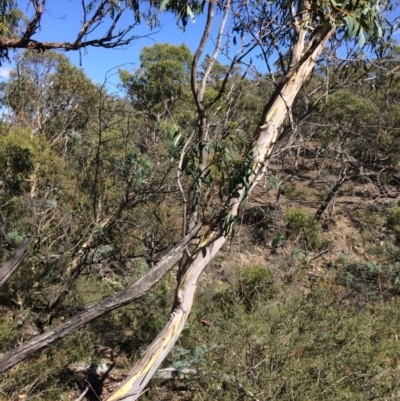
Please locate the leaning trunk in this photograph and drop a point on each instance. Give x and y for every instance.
(303, 59)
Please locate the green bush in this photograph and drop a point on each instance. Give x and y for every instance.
(393, 220)
(302, 223)
(298, 346)
(256, 281)
(14, 239)
(295, 193)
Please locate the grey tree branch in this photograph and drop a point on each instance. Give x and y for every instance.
(110, 39)
(217, 50)
(80, 398)
(106, 305)
(3, 226)
(7, 270)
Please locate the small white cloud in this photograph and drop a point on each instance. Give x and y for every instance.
(4, 72)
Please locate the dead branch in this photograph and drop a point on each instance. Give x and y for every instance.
(15, 260)
(121, 298)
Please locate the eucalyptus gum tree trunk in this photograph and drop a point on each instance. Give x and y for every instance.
(303, 57)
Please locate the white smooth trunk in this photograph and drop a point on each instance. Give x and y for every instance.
(304, 60)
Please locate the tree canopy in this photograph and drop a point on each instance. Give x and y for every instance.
(161, 80)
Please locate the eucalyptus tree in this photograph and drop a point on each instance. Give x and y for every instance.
(49, 95)
(90, 203)
(303, 28)
(161, 80)
(218, 168)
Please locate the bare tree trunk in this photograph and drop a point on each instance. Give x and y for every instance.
(302, 62)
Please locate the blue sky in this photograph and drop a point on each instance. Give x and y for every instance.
(61, 22)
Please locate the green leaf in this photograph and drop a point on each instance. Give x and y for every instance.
(350, 25)
(163, 5)
(190, 13)
(362, 39)
(177, 139)
(380, 32)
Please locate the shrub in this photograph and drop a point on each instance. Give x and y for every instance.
(295, 193)
(311, 346)
(369, 220)
(255, 281)
(303, 223)
(393, 220)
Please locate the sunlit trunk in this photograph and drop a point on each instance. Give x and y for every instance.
(303, 57)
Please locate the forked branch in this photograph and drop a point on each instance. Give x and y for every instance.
(113, 37)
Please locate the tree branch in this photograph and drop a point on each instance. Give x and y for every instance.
(15, 260)
(123, 297)
(3, 225)
(35, 21)
(110, 39)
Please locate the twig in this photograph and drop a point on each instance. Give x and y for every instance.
(94, 392)
(82, 395)
(249, 393)
(338, 381)
(178, 179)
(318, 255)
(254, 367)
